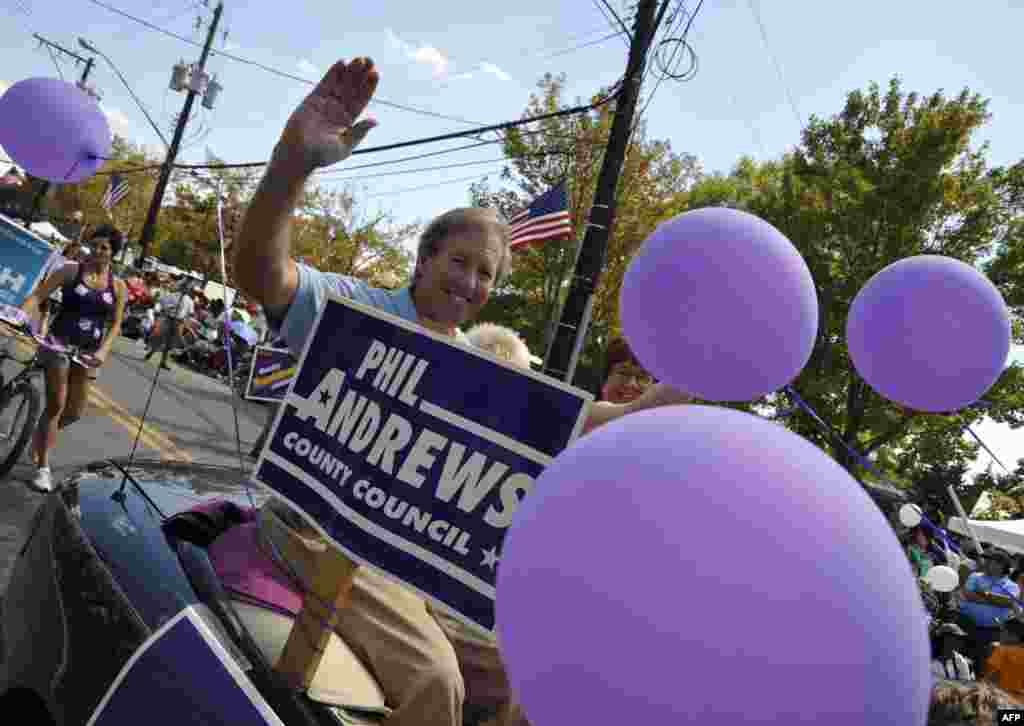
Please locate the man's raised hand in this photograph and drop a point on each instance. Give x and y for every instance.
(323, 129)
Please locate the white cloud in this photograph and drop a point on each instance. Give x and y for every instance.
(441, 67)
(494, 70)
(425, 55)
(308, 68)
(119, 122)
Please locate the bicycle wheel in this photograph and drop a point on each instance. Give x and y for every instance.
(19, 413)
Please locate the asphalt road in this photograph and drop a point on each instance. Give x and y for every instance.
(190, 418)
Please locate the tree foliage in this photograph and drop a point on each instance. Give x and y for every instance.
(333, 232)
(892, 175)
(571, 148)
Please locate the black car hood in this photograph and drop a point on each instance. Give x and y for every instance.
(122, 516)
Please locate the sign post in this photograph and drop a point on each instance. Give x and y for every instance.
(23, 257)
(407, 452)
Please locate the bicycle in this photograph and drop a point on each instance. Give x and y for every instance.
(19, 395)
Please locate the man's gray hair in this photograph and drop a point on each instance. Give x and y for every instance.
(457, 220)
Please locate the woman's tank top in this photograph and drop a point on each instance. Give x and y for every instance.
(84, 312)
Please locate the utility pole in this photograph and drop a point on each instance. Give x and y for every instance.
(563, 353)
(45, 187)
(195, 89)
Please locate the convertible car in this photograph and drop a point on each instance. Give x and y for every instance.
(112, 559)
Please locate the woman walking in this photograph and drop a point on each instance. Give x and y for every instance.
(90, 317)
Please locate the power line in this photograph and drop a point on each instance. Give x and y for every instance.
(282, 74)
(554, 152)
(778, 66)
(55, 63)
(443, 152)
(681, 42)
(412, 158)
(605, 9)
(427, 186)
(582, 45)
(615, 91)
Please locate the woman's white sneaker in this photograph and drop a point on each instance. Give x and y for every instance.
(43, 481)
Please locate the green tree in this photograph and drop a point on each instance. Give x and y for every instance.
(571, 148)
(333, 232)
(892, 175)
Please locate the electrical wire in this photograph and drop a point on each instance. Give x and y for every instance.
(55, 63)
(404, 159)
(581, 46)
(290, 76)
(680, 42)
(775, 61)
(605, 9)
(503, 160)
(427, 186)
(138, 101)
(614, 93)
(282, 74)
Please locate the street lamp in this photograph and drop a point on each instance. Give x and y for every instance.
(93, 49)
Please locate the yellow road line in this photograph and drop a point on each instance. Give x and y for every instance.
(153, 438)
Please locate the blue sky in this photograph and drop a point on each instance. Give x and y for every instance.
(479, 61)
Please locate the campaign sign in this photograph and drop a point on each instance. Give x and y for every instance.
(411, 452)
(271, 374)
(183, 675)
(23, 257)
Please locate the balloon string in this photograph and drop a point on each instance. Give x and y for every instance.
(987, 450)
(72, 171)
(863, 461)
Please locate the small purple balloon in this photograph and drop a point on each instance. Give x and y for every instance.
(720, 304)
(53, 129)
(929, 332)
(694, 564)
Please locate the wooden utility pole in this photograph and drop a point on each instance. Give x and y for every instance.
(563, 353)
(149, 228)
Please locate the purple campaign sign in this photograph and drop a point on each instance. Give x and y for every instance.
(183, 675)
(411, 452)
(272, 372)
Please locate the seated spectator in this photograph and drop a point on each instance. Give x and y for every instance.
(624, 378)
(1005, 668)
(967, 704)
(983, 611)
(917, 550)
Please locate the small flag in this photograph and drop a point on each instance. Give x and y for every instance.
(546, 218)
(116, 191)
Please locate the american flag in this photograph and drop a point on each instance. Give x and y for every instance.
(546, 218)
(116, 190)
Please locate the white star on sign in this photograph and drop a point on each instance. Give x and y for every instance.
(490, 557)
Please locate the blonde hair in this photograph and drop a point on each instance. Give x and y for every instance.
(500, 341)
(458, 220)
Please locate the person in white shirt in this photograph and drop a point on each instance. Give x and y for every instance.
(174, 309)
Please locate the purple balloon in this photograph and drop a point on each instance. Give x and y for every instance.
(929, 332)
(694, 564)
(720, 304)
(53, 129)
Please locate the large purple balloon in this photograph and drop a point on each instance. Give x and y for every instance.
(929, 332)
(720, 304)
(53, 129)
(694, 564)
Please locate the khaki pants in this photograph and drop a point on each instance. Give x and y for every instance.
(427, 663)
(483, 672)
